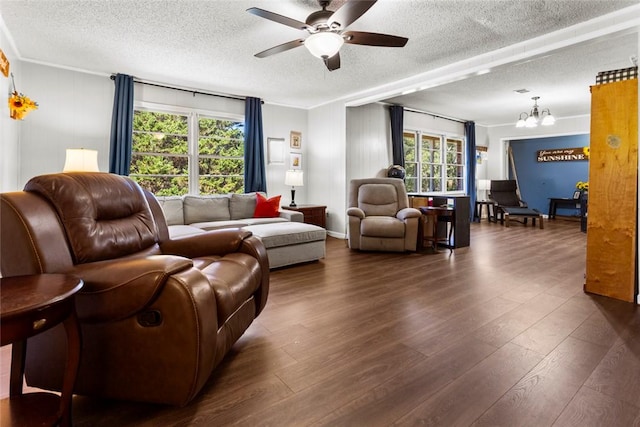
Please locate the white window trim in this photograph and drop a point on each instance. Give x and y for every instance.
(444, 136)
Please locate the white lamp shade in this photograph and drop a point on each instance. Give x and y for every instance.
(81, 160)
(324, 44)
(294, 178)
(483, 184)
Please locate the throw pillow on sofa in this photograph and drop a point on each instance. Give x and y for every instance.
(206, 208)
(267, 208)
(242, 206)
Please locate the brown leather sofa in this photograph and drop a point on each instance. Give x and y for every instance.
(157, 315)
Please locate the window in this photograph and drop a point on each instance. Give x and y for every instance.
(433, 163)
(180, 153)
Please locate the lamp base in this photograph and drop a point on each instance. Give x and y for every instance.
(293, 199)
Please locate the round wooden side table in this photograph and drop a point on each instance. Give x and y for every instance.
(31, 305)
(438, 213)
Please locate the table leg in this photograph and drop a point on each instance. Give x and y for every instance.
(74, 342)
(540, 217)
(505, 215)
(18, 357)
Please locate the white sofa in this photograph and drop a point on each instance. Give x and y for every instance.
(287, 238)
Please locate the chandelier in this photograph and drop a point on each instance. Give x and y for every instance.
(535, 117)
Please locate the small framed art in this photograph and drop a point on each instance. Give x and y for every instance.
(275, 151)
(296, 161)
(576, 195)
(296, 140)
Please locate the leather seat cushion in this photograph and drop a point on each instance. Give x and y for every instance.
(382, 226)
(234, 278)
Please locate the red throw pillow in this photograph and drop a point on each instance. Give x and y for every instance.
(267, 208)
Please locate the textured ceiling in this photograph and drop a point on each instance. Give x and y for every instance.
(210, 45)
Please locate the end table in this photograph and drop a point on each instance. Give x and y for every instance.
(313, 214)
(31, 305)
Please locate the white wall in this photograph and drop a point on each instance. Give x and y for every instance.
(74, 112)
(429, 123)
(368, 144)
(482, 139)
(9, 128)
(497, 135)
(325, 173)
(278, 122)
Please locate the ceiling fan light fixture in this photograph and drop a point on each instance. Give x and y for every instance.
(324, 44)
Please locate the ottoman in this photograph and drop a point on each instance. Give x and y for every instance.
(290, 242)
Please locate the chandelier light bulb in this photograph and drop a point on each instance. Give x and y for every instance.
(534, 118)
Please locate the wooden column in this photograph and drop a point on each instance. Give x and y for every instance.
(613, 171)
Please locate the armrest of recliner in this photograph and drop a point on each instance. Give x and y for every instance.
(253, 246)
(357, 212)
(214, 242)
(118, 288)
(407, 213)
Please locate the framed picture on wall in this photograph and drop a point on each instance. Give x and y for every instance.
(296, 140)
(275, 151)
(296, 161)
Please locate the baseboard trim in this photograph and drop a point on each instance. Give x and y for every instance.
(337, 235)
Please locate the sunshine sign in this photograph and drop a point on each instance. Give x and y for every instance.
(563, 154)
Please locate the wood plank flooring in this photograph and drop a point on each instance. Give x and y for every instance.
(499, 333)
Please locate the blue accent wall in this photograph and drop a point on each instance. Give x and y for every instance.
(540, 180)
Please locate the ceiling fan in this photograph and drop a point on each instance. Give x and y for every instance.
(327, 33)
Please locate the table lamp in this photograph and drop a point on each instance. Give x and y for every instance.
(81, 160)
(294, 179)
(483, 187)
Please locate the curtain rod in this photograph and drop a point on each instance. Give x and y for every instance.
(193, 91)
(435, 115)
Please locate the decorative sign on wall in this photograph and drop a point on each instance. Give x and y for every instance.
(563, 154)
(4, 64)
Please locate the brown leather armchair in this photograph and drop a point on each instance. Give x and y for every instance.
(157, 315)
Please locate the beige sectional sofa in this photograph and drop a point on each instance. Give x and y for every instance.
(287, 238)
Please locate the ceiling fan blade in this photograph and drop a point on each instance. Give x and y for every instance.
(374, 39)
(280, 48)
(349, 12)
(333, 63)
(280, 19)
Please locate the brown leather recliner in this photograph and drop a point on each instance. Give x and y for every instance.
(156, 315)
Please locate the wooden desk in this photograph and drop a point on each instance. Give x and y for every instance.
(461, 205)
(313, 214)
(431, 214)
(31, 305)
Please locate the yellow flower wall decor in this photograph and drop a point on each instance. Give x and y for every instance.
(19, 104)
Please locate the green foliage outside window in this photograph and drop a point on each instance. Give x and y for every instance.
(433, 163)
(161, 157)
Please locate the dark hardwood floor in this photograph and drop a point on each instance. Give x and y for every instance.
(499, 333)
